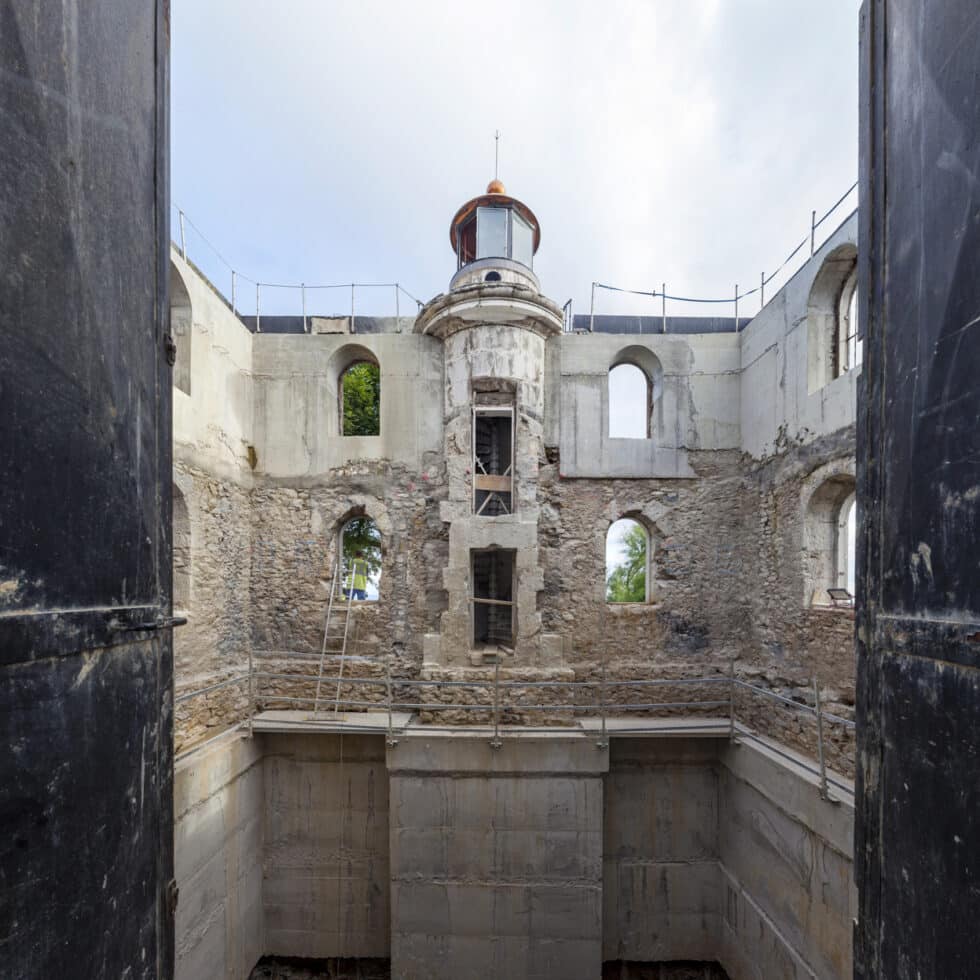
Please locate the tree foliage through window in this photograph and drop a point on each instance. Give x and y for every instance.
(361, 534)
(626, 562)
(361, 399)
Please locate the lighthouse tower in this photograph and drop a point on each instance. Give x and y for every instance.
(494, 324)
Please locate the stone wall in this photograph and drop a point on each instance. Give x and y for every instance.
(213, 645)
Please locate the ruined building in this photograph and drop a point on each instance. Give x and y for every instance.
(540, 742)
(551, 817)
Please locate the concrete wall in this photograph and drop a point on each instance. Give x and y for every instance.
(325, 855)
(218, 815)
(525, 861)
(778, 406)
(787, 865)
(297, 407)
(697, 407)
(661, 881)
(496, 859)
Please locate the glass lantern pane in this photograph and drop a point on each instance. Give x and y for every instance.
(522, 240)
(491, 233)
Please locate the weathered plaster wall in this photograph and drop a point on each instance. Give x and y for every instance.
(777, 407)
(297, 421)
(697, 407)
(212, 474)
(218, 813)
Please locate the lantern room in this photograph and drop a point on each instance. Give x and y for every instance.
(495, 226)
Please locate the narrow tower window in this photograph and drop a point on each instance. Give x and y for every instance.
(493, 461)
(492, 599)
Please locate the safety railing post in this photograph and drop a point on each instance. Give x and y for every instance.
(352, 330)
(258, 321)
(302, 296)
(603, 738)
(183, 240)
(663, 306)
(495, 742)
(592, 311)
(233, 277)
(762, 290)
(731, 699)
(397, 313)
(824, 795)
(251, 690)
(736, 307)
(391, 733)
(813, 232)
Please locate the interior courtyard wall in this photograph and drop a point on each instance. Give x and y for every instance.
(213, 433)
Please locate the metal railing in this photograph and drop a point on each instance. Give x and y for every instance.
(799, 253)
(589, 698)
(300, 290)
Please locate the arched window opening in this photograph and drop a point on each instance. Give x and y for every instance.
(847, 545)
(181, 551)
(630, 399)
(360, 399)
(830, 531)
(849, 345)
(360, 548)
(627, 561)
(181, 330)
(832, 322)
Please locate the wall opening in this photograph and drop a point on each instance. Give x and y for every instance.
(360, 399)
(850, 349)
(629, 402)
(493, 460)
(181, 551)
(627, 562)
(181, 329)
(492, 601)
(360, 549)
(832, 347)
(829, 534)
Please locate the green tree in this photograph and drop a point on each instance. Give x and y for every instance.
(628, 580)
(361, 384)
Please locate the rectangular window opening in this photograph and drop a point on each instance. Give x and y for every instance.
(493, 461)
(492, 600)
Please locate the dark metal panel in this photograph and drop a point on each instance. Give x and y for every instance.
(918, 603)
(86, 830)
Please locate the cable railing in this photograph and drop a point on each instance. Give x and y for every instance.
(303, 295)
(737, 295)
(498, 702)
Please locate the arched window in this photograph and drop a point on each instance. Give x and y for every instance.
(830, 528)
(360, 548)
(629, 403)
(181, 551)
(360, 398)
(846, 544)
(832, 344)
(634, 383)
(627, 561)
(181, 330)
(849, 345)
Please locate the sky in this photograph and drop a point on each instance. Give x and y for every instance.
(676, 141)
